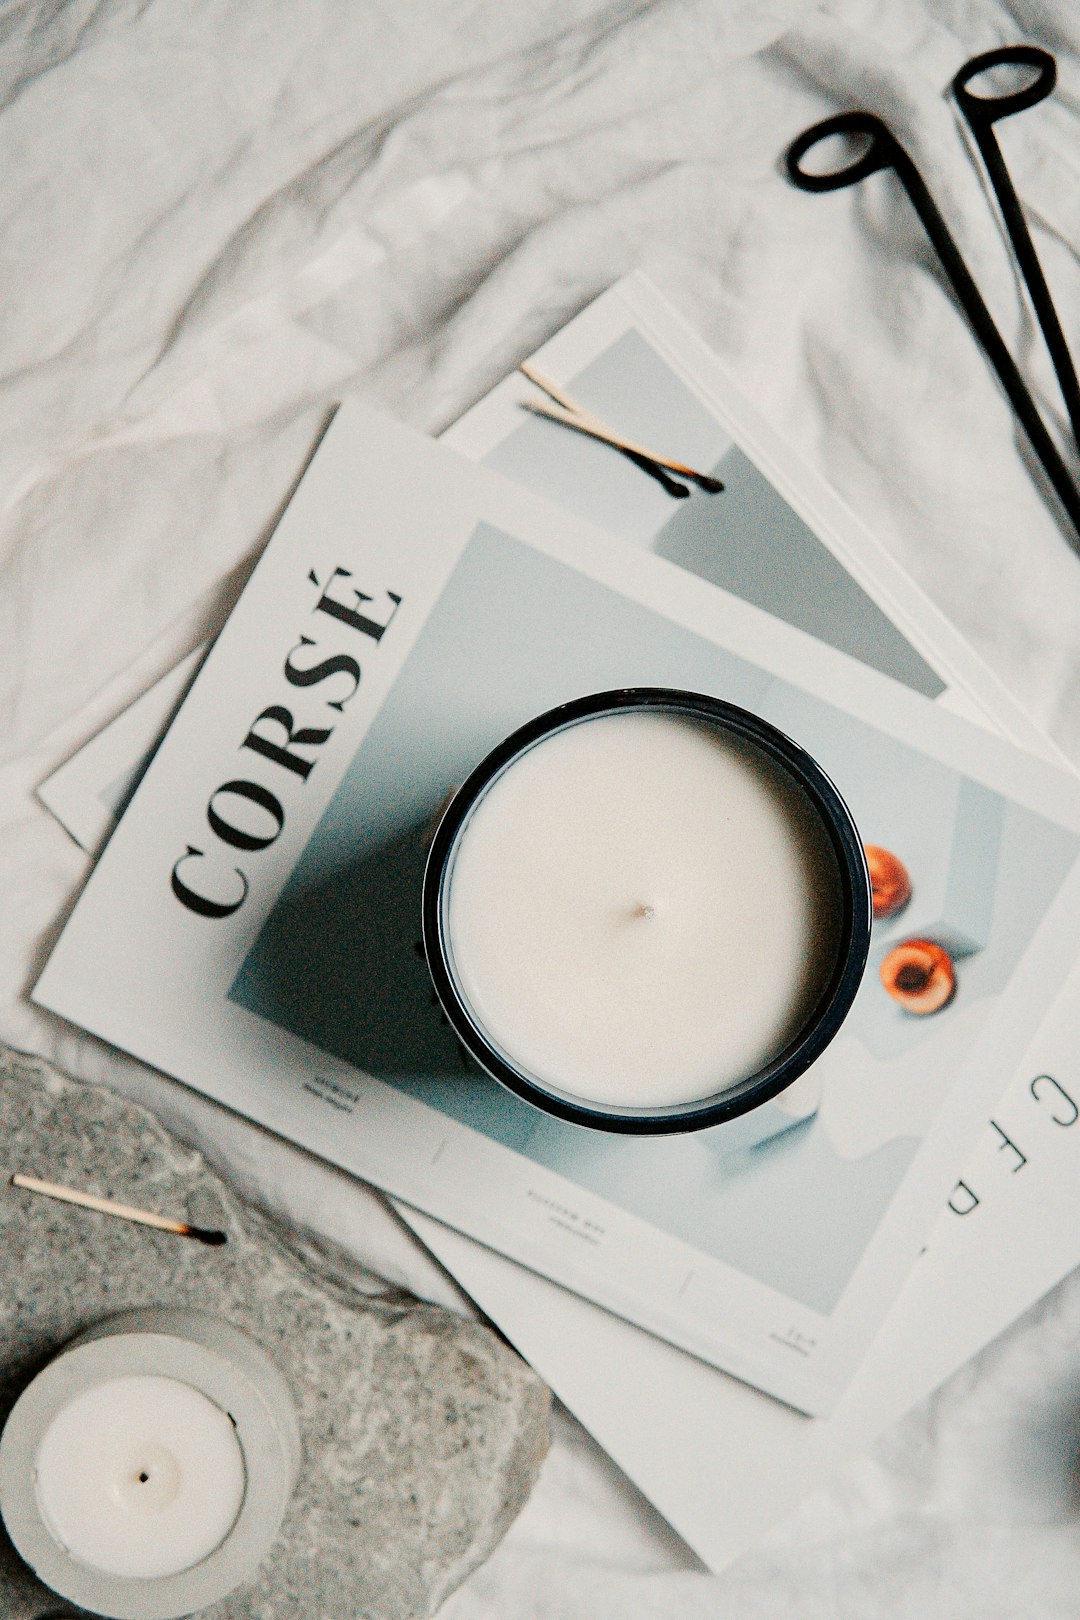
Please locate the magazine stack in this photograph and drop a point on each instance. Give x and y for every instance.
(253, 926)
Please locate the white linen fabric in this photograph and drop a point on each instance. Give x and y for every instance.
(216, 220)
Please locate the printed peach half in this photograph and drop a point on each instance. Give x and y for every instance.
(919, 975)
(890, 885)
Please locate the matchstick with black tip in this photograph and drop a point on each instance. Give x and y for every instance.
(124, 1212)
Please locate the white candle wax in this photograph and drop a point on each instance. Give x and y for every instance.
(140, 1476)
(642, 910)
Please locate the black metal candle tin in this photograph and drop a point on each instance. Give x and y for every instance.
(852, 946)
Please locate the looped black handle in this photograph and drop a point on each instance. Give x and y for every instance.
(880, 154)
(885, 152)
(989, 109)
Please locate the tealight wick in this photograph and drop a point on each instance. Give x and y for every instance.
(644, 911)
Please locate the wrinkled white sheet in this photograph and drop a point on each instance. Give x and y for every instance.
(217, 219)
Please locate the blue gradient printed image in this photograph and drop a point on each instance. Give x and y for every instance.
(790, 1198)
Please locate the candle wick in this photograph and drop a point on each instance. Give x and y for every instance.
(644, 911)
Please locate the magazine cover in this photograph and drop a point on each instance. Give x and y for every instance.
(777, 536)
(277, 966)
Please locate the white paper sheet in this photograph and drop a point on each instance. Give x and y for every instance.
(724, 1463)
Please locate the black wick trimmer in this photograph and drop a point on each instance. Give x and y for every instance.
(981, 113)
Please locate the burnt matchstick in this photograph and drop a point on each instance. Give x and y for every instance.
(596, 430)
(124, 1212)
(572, 415)
(678, 491)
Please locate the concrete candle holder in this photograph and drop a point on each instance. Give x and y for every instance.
(189, 1350)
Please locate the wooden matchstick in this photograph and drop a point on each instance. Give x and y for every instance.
(125, 1212)
(570, 414)
(595, 430)
(559, 395)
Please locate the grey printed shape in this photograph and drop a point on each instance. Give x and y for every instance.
(747, 540)
(750, 542)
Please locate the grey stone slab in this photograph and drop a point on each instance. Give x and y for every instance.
(422, 1433)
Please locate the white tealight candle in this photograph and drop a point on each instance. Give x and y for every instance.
(642, 910)
(140, 1476)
